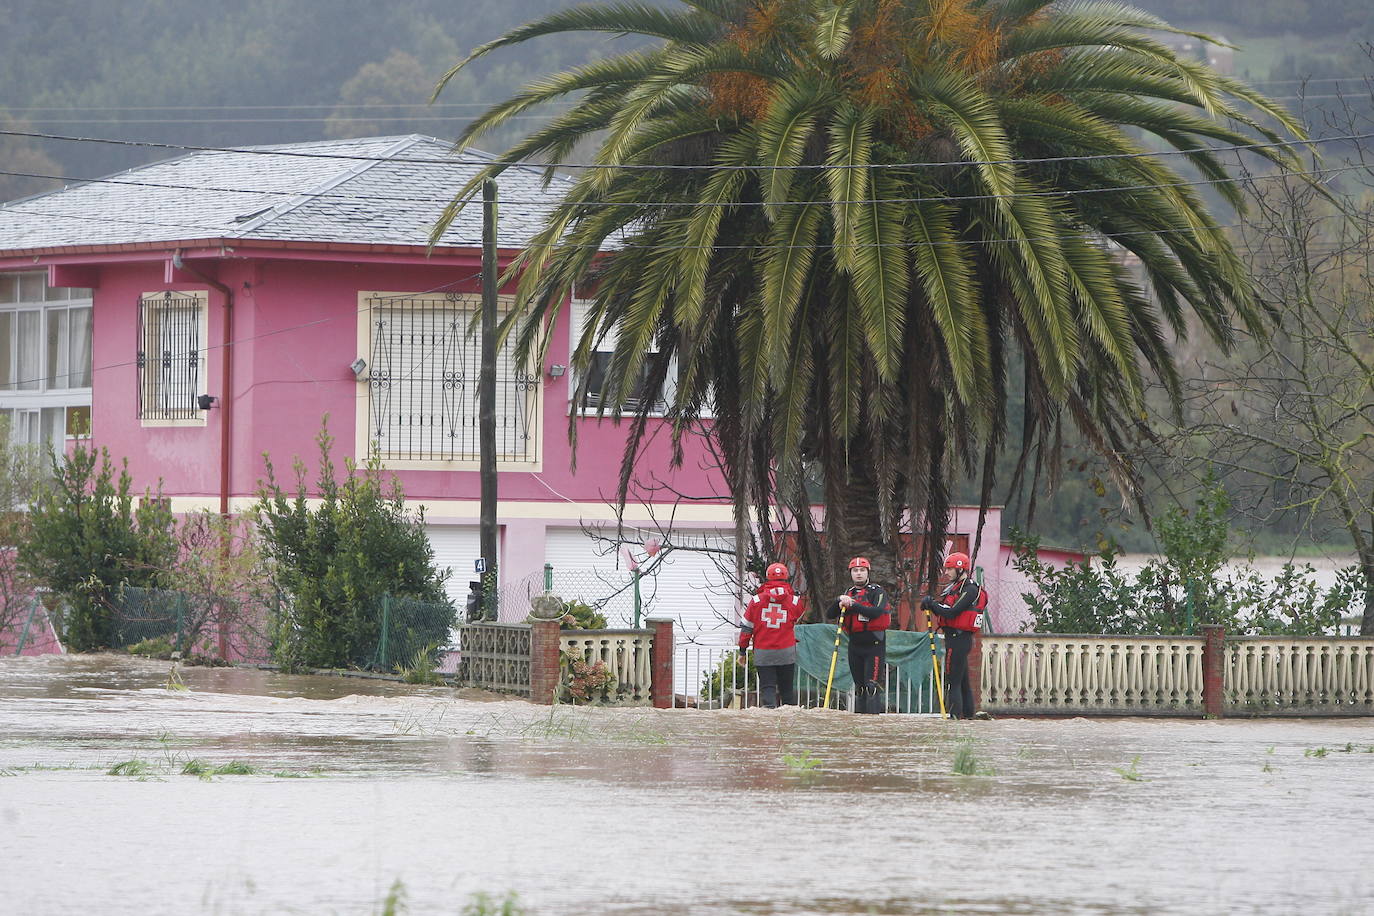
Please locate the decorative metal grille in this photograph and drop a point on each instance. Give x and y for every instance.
(169, 357)
(426, 357)
(495, 656)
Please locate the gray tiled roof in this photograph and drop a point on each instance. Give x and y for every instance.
(375, 190)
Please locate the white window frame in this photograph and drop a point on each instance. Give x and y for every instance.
(27, 292)
(578, 312)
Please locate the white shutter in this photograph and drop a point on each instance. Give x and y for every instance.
(688, 587)
(455, 547)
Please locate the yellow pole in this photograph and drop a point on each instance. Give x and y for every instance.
(935, 665)
(830, 678)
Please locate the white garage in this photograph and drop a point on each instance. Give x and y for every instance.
(688, 583)
(456, 546)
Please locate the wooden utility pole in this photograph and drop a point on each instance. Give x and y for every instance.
(486, 386)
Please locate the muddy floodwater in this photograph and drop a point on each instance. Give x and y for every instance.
(256, 792)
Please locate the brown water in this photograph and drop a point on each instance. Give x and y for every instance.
(363, 783)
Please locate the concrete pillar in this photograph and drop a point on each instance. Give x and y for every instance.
(544, 662)
(975, 669)
(1213, 669)
(661, 662)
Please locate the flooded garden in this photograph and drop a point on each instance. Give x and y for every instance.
(128, 786)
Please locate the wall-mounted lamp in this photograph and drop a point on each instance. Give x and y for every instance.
(359, 366)
(206, 401)
(557, 371)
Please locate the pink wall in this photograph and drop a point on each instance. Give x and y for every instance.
(296, 327)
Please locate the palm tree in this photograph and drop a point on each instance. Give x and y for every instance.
(853, 220)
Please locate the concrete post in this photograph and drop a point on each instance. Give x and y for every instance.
(661, 663)
(1213, 669)
(975, 669)
(544, 662)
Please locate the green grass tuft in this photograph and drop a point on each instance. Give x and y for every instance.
(1132, 772)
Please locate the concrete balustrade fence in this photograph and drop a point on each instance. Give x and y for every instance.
(1212, 674)
(1274, 675)
(1073, 675)
(527, 659)
(626, 655)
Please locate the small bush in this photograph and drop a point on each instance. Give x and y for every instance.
(585, 681)
(421, 667)
(578, 615)
(155, 647)
(727, 675)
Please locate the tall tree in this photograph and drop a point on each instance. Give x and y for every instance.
(1291, 418)
(848, 217)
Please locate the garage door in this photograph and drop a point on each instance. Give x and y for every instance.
(690, 586)
(455, 547)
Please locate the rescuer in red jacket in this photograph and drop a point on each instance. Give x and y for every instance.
(769, 622)
(866, 619)
(960, 609)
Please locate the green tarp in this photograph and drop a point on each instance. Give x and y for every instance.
(907, 652)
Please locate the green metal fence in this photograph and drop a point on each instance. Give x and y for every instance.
(143, 614)
(410, 632)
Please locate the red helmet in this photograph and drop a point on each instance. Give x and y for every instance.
(776, 571)
(859, 563)
(957, 561)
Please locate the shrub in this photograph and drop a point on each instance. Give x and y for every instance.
(582, 616)
(727, 675)
(86, 539)
(585, 681)
(1187, 587)
(334, 564)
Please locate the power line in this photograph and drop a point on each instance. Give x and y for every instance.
(412, 119)
(415, 118)
(332, 106)
(617, 246)
(550, 203)
(460, 159)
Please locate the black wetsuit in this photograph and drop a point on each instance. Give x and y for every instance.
(954, 601)
(866, 621)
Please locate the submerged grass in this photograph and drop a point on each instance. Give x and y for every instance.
(394, 903)
(484, 904)
(966, 761)
(803, 764)
(1350, 748)
(1132, 772)
(198, 767)
(136, 767)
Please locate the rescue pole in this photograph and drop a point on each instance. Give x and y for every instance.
(830, 678)
(935, 665)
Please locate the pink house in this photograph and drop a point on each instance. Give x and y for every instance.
(196, 313)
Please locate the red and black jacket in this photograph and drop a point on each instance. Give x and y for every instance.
(961, 606)
(867, 618)
(770, 617)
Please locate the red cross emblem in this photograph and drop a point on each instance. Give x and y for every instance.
(774, 616)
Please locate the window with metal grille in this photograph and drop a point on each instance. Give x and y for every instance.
(425, 359)
(170, 345)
